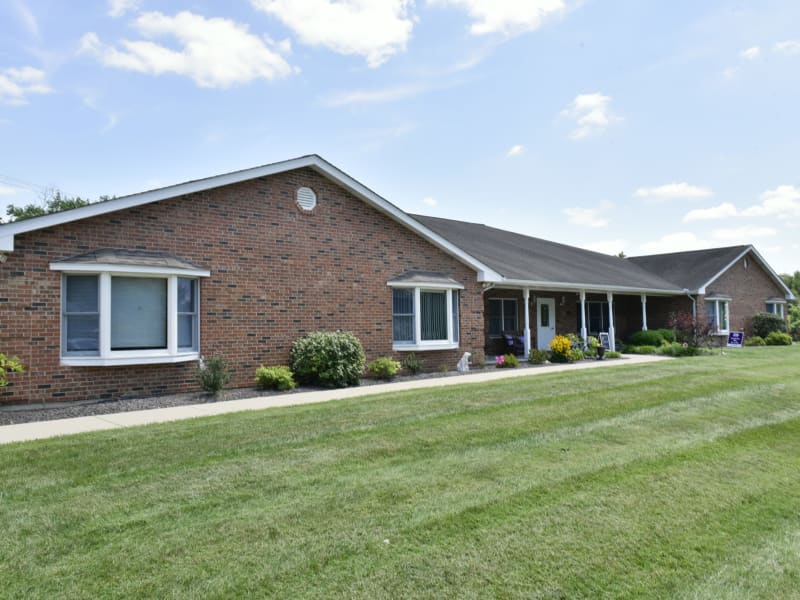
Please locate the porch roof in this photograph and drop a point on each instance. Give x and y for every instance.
(527, 260)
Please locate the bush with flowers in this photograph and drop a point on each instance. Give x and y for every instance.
(561, 349)
(507, 361)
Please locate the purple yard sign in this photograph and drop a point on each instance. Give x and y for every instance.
(735, 339)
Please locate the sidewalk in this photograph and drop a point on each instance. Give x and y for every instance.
(46, 429)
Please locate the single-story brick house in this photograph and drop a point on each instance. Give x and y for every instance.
(122, 298)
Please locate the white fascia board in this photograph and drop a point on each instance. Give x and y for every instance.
(764, 265)
(7, 243)
(425, 286)
(127, 269)
(588, 287)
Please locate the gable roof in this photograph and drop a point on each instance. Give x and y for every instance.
(535, 262)
(311, 161)
(695, 270)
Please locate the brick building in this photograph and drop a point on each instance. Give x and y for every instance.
(122, 298)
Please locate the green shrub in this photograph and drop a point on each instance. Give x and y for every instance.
(613, 354)
(9, 364)
(778, 338)
(576, 355)
(676, 349)
(384, 367)
(329, 359)
(412, 364)
(765, 323)
(275, 378)
(537, 357)
(648, 337)
(507, 361)
(213, 374)
(755, 340)
(668, 335)
(644, 349)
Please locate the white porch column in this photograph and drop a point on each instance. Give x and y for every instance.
(611, 332)
(644, 312)
(526, 296)
(583, 316)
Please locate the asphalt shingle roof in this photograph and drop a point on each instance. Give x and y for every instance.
(139, 258)
(520, 257)
(690, 270)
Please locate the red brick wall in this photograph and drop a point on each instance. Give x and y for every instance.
(276, 274)
(749, 287)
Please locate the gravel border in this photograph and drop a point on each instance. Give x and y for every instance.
(29, 413)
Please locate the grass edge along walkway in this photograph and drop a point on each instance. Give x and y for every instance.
(22, 432)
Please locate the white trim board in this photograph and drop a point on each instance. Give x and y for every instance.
(764, 265)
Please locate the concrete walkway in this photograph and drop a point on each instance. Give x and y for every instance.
(46, 429)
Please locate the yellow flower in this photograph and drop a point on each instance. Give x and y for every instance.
(561, 345)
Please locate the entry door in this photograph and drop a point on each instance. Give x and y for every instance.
(545, 322)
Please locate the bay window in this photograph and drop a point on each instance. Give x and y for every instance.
(775, 307)
(425, 317)
(124, 315)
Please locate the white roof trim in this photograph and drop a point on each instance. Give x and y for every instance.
(116, 269)
(764, 265)
(313, 161)
(588, 287)
(423, 285)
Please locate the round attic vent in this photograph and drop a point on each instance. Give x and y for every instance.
(306, 198)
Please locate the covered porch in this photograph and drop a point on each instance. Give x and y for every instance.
(517, 319)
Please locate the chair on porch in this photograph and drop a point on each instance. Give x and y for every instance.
(514, 343)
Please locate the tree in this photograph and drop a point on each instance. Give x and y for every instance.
(792, 282)
(52, 201)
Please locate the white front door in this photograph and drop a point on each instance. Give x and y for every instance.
(545, 322)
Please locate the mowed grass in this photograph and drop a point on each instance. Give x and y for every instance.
(678, 479)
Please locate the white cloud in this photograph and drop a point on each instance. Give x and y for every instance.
(508, 17)
(117, 8)
(751, 53)
(724, 210)
(214, 52)
(26, 16)
(374, 29)
(430, 201)
(591, 114)
(7, 191)
(17, 84)
(586, 217)
(730, 72)
(673, 190)
(788, 47)
(378, 96)
(744, 234)
(783, 202)
(515, 150)
(613, 247)
(675, 242)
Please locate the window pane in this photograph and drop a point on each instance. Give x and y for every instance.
(711, 314)
(495, 317)
(403, 302)
(544, 315)
(138, 313)
(510, 315)
(81, 294)
(455, 315)
(186, 295)
(82, 332)
(186, 332)
(403, 329)
(723, 315)
(434, 315)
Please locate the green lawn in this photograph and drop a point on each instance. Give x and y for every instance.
(677, 479)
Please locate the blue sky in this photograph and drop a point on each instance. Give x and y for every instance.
(620, 125)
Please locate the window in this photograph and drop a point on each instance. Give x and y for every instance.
(597, 317)
(775, 308)
(502, 315)
(145, 319)
(424, 319)
(718, 314)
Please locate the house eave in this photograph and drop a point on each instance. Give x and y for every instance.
(586, 287)
(764, 265)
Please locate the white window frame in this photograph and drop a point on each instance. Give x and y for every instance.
(105, 355)
(778, 308)
(420, 345)
(717, 302)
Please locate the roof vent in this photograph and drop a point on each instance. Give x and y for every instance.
(306, 198)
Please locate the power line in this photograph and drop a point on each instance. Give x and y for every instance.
(21, 183)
